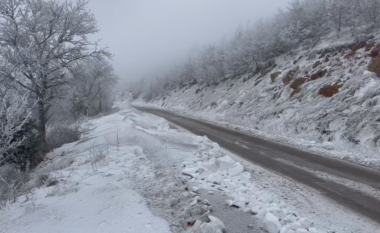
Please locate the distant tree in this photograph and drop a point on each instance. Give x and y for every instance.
(338, 10)
(91, 87)
(296, 11)
(371, 11)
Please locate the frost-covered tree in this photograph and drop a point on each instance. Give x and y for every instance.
(16, 130)
(211, 65)
(39, 41)
(91, 87)
(371, 11)
(338, 10)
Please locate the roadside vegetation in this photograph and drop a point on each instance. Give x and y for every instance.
(52, 76)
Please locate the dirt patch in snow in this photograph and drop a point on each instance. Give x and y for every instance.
(319, 74)
(289, 77)
(273, 76)
(375, 66)
(296, 91)
(297, 83)
(330, 91)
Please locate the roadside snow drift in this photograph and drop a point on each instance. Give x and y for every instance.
(214, 170)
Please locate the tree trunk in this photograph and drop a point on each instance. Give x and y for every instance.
(100, 102)
(42, 120)
(41, 128)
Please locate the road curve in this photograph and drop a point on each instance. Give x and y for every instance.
(282, 160)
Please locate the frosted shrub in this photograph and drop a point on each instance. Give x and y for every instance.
(62, 133)
(12, 181)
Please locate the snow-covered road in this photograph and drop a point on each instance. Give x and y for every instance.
(135, 173)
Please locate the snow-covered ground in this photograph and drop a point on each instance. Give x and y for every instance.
(285, 104)
(137, 173)
(98, 180)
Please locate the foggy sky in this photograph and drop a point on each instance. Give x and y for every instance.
(150, 35)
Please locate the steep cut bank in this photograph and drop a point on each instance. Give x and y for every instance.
(323, 98)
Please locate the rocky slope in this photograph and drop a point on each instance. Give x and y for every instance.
(323, 97)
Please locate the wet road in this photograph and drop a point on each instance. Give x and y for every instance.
(291, 162)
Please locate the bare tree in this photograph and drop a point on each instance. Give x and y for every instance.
(337, 12)
(371, 11)
(39, 41)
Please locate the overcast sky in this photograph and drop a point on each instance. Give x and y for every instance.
(150, 35)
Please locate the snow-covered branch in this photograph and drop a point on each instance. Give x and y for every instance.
(14, 115)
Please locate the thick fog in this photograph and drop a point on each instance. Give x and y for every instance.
(151, 35)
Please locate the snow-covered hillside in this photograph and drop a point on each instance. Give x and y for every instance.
(137, 173)
(321, 98)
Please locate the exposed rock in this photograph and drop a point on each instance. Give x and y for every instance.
(267, 70)
(289, 77)
(330, 91)
(358, 46)
(349, 55)
(369, 46)
(375, 52)
(296, 91)
(375, 66)
(316, 64)
(297, 83)
(273, 76)
(319, 74)
(327, 58)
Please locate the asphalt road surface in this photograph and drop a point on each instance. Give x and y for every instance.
(291, 162)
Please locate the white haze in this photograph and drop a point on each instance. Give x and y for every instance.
(148, 36)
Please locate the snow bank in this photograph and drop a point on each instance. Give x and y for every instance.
(215, 171)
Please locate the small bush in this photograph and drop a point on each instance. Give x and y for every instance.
(63, 133)
(12, 183)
